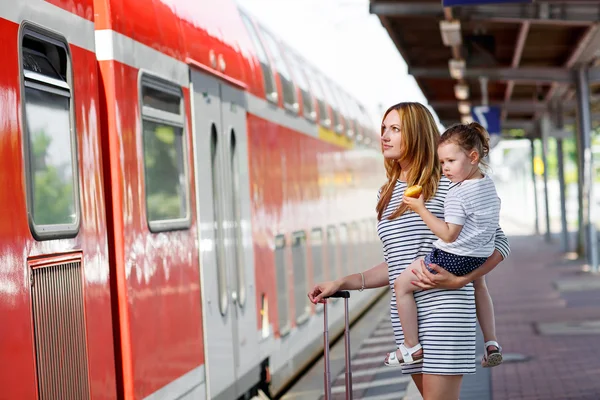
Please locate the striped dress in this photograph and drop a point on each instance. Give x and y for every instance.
(447, 318)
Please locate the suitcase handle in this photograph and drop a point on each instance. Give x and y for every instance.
(340, 294)
(327, 374)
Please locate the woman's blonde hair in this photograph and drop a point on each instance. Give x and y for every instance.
(420, 137)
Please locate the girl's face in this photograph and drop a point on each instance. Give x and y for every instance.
(457, 165)
(391, 135)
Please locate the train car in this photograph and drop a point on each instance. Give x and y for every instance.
(56, 340)
(177, 179)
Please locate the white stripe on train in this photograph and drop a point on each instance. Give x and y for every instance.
(78, 31)
(114, 46)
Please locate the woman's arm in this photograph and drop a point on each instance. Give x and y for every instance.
(374, 277)
(446, 231)
(445, 280)
(501, 243)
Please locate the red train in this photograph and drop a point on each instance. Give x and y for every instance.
(174, 180)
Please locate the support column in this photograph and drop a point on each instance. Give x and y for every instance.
(544, 145)
(585, 166)
(535, 196)
(564, 232)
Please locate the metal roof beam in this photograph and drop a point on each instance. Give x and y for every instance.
(414, 9)
(523, 74)
(594, 74)
(518, 53)
(523, 106)
(540, 12)
(584, 53)
(526, 124)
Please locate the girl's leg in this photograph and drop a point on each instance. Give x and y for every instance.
(485, 310)
(441, 387)
(407, 312)
(406, 306)
(485, 313)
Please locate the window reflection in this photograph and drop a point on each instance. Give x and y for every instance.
(50, 157)
(165, 175)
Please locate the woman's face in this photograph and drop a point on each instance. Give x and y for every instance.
(391, 135)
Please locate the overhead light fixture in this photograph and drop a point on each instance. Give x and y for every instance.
(466, 119)
(451, 35)
(457, 68)
(461, 91)
(464, 108)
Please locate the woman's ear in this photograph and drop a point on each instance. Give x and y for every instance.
(474, 157)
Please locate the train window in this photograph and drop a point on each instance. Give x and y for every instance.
(367, 124)
(281, 277)
(300, 267)
(264, 316)
(349, 112)
(356, 117)
(344, 249)
(237, 220)
(332, 253)
(50, 140)
(317, 90)
(316, 247)
(300, 79)
(215, 162)
(356, 256)
(167, 200)
(317, 86)
(338, 126)
(263, 59)
(287, 85)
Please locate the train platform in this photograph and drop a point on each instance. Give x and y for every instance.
(547, 320)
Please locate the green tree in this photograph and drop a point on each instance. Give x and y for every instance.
(52, 190)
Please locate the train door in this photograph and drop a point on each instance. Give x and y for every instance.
(223, 201)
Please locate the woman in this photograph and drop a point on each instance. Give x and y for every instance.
(446, 313)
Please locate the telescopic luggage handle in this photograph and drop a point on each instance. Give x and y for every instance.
(327, 378)
(340, 294)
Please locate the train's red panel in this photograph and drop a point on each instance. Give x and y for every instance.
(24, 366)
(159, 282)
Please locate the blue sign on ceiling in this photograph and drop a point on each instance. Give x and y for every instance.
(488, 117)
(452, 3)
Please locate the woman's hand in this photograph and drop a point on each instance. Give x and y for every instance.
(322, 290)
(441, 280)
(417, 205)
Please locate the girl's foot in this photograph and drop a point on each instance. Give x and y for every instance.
(404, 356)
(492, 354)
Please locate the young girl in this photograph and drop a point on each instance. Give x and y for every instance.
(466, 235)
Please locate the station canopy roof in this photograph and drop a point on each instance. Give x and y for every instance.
(530, 53)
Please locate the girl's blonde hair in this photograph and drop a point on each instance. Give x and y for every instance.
(469, 137)
(419, 149)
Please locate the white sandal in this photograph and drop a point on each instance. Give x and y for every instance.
(492, 359)
(407, 358)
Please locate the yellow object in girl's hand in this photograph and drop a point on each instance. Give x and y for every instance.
(413, 191)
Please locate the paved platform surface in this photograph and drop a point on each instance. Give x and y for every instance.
(547, 320)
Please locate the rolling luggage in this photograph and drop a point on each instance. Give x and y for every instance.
(346, 296)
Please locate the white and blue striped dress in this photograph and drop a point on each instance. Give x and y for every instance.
(447, 318)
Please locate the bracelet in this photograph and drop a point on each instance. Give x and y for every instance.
(363, 282)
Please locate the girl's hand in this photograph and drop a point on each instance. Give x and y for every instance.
(417, 205)
(441, 280)
(322, 290)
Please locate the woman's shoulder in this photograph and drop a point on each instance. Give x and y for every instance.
(443, 186)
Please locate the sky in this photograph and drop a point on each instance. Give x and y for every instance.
(347, 43)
